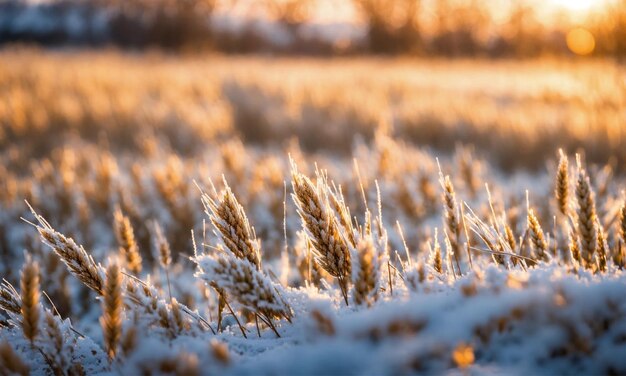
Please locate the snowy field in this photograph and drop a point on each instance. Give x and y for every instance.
(259, 216)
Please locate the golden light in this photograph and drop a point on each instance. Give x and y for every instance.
(580, 41)
(576, 5)
(463, 355)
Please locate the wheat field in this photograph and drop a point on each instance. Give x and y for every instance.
(254, 215)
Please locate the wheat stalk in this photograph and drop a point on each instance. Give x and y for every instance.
(10, 299)
(55, 356)
(126, 239)
(603, 249)
(574, 246)
(536, 235)
(76, 258)
(435, 258)
(561, 190)
(330, 248)
(451, 216)
(366, 270)
(164, 254)
(230, 220)
(111, 319)
(243, 282)
(29, 293)
(587, 218)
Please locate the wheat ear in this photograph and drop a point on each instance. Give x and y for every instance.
(561, 190)
(10, 299)
(243, 282)
(435, 258)
(126, 239)
(29, 291)
(330, 248)
(451, 216)
(230, 220)
(587, 218)
(536, 235)
(603, 249)
(366, 272)
(111, 319)
(76, 258)
(165, 254)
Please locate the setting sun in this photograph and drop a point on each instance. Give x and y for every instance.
(580, 41)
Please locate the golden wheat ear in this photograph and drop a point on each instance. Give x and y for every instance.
(30, 293)
(77, 260)
(561, 190)
(330, 247)
(366, 272)
(111, 319)
(125, 236)
(230, 221)
(537, 236)
(587, 217)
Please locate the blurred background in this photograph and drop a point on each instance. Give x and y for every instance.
(450, 28)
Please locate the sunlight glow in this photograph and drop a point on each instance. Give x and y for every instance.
(580, 41)
(576, 5)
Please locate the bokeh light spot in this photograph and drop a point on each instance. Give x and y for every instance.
(580, 41)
